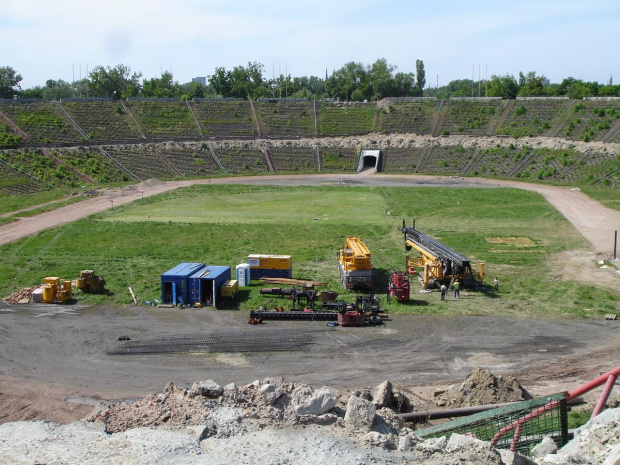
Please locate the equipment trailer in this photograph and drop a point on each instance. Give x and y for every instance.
(365, 310)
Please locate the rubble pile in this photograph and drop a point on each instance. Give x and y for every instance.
(230, 410)
(598, 441)
(274, 421)
(23, 296)
(481, 387)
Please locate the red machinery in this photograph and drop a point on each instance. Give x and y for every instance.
(399, 286)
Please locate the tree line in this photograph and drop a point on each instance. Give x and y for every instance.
(352, 82)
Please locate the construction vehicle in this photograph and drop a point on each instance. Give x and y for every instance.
(438, 264)
(398, 287)
(355, 264)
(90, 282)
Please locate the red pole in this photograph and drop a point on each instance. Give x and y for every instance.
(602, 400)
(594, 383)
(515, 438)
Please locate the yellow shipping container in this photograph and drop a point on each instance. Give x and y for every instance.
(272, 262)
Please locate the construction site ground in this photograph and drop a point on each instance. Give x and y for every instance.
(53, 363)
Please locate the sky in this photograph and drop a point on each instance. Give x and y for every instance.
(65, 39)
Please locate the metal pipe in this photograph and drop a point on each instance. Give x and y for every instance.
(415, 417)
(515, 438)
(602, 400)
(449, 413)
(594, 383)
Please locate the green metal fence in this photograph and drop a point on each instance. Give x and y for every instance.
(531, 420)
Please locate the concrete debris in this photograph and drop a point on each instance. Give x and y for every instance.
(307, 401)
(545, 447)
(208, 388)
(387, 422)
(596, 442)
(405, 442)
(274, 421)
(225, 422)
(382, 395)
(23, 296)
(270, 393)
(360, 414)
(511, 458)
(481, 387)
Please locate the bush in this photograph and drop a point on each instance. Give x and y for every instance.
(521, 110)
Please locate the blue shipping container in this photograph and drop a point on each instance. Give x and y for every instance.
(174, 283)
(205, 285)
(257, 273)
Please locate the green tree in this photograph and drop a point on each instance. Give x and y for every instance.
(33, 92)
(404, 85)
(381, 80)
(9, 82)
(349, 83)
(240, 82)
(55, 90)
(530, 84)
(420, 77)
(117, 82)
(505, 87)
(196, 90)
(220, 81)
(609, 90)
(163, 87)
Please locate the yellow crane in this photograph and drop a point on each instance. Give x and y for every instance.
(355, 264)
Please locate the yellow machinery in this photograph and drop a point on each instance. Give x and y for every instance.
(438, 264)
(355, 264)
(89, 282)
(229, 289)
(55, 291)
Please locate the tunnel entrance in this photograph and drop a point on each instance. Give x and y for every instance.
(369, 160)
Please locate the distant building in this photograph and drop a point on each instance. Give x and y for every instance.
(545, 82)
(202, 80)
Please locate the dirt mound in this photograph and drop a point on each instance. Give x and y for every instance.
(481, 387)
(150, 183)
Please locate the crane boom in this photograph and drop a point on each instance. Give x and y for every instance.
(440, 263)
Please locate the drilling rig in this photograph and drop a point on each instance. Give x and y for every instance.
(437, 263)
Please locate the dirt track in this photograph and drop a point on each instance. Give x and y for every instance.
(49, 357)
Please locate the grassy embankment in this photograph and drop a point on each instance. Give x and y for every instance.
(33, 204)
(608, 197)
(512, 231)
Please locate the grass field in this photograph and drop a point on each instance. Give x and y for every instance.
(11, 203)
(513, 231)
(608, 197)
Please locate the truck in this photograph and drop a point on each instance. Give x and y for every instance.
(354, 262)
